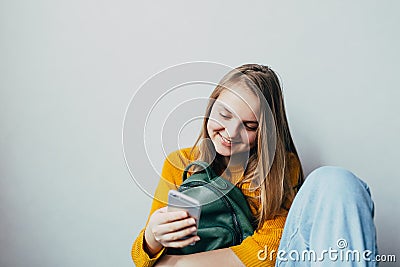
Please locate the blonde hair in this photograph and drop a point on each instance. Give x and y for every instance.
(268, 172)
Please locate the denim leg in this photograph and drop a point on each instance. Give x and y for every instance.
(330, 222)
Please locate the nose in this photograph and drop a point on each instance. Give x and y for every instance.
(233, 129)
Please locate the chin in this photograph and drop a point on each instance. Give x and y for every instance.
(222, 152)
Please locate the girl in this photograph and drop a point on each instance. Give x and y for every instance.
(246, 139)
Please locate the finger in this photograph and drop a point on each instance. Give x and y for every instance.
(170, 216)
(163, 209)
(182, 243)
(174, 226)
(178, 235)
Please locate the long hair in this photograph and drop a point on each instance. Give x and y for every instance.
(268, 172)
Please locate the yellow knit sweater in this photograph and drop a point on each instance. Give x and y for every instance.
(267, 237)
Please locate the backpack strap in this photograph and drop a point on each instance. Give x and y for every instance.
(211, 178)
(205, 165)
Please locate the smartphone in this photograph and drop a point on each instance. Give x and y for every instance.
(179, 201)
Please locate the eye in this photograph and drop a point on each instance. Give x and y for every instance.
(225, 116)
(251, 127)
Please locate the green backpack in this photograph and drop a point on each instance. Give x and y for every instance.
(225, 220)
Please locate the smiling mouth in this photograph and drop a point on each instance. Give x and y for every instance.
(227, 140)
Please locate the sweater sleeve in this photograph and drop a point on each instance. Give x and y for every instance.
(171, 178)
(139, 255)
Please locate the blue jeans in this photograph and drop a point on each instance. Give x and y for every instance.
(330, 222)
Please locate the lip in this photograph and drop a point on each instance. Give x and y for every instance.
(225, 141)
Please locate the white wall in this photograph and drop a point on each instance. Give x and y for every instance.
(69, 69)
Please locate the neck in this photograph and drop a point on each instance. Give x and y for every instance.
(236, 160)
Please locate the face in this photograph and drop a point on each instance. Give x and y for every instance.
(232, 125)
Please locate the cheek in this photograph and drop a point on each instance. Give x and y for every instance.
(252, 138)
(212, 126)
(209, 130)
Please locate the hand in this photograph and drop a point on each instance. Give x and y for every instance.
(166, 229)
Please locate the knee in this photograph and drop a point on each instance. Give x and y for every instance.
(337, 182)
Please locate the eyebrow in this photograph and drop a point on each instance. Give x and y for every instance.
(223, 106)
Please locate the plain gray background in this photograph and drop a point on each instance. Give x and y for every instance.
(69, 69)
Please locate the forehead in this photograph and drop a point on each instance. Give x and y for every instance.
(240, 101)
